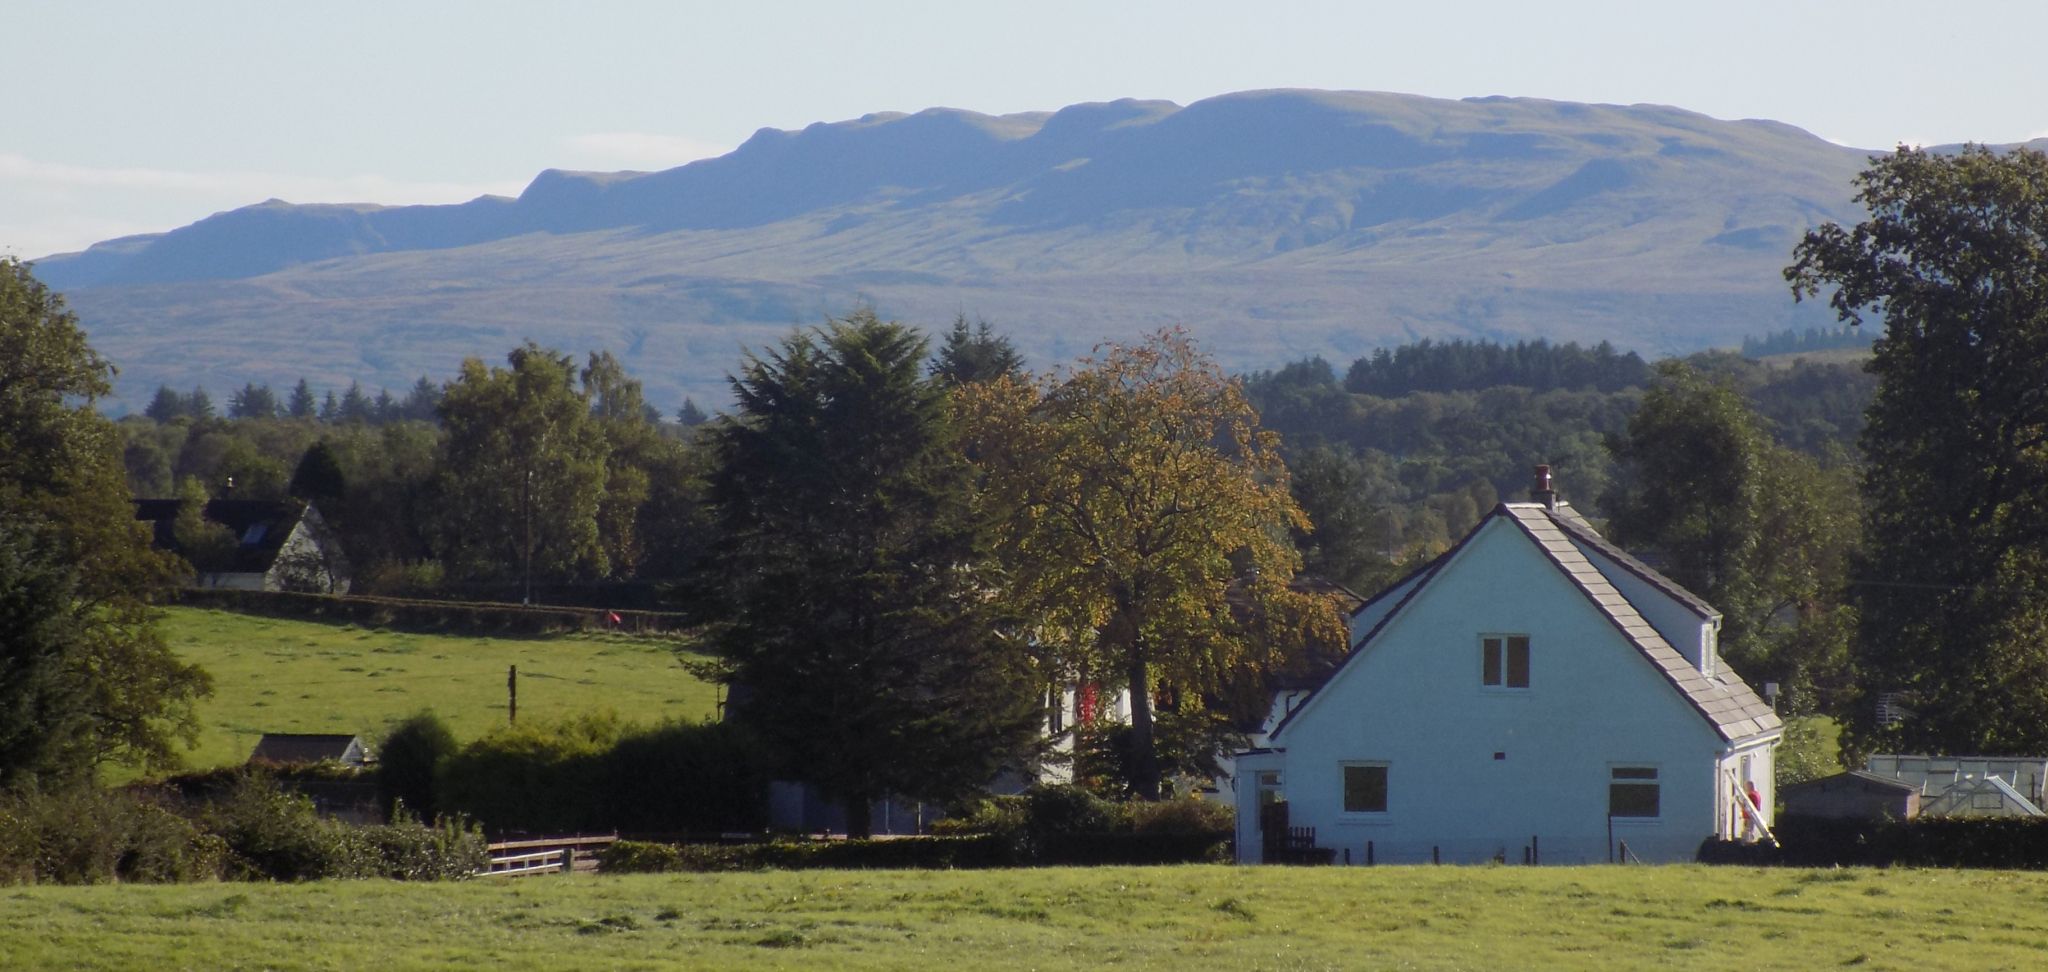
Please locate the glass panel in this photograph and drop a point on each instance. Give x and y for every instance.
(1490, 665)
(1518, 662)
(1365, 789)
(1632, 799)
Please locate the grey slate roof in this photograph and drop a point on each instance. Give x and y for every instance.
(1575, 525)
(307, 747)
(1725, 700)
(1875, 779)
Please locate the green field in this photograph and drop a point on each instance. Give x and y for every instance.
(273, 675)
(1202, 917)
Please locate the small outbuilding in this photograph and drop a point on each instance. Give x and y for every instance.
(294, 748)
(1853, 795)
(1980, 796)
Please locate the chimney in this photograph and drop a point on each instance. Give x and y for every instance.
(1542, 493)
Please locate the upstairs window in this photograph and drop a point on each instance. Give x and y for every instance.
(1632, 791)
(1504, 661)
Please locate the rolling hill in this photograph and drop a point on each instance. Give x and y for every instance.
(1272, 224)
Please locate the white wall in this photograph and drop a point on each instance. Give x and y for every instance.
(1691, 634)
(1414, 700)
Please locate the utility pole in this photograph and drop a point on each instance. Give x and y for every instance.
(512, 693)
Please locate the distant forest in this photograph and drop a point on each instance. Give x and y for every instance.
(1393, 460)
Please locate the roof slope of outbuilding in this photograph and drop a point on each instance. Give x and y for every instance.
(1724, 701)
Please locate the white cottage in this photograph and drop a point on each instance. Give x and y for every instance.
(1533, 694)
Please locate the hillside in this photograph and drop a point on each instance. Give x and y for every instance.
(1274, 224)
(276, 675)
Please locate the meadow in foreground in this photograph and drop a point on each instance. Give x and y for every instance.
(278, 675)
(1215, 917)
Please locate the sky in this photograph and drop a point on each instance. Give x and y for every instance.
(133, 117)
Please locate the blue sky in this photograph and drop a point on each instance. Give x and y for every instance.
(131, 117)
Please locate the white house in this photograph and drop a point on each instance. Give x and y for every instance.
(1533, 694)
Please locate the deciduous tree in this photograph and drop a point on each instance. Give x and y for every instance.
(80, 561)
(1143, 516)
(522, 468)
(1954, 590)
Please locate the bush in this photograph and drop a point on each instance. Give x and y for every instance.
(277, 835)
(1188, 815)
(410, 851)
(89, 836)
(638, 857)
(597, 773)
(977, 851)
(407, 761)
(535, 776)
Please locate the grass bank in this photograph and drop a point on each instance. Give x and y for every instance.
(1127, 918)
(276, 675)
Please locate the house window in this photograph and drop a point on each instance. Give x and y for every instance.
(1504, 661)
(1632, 791)
(1365, 788)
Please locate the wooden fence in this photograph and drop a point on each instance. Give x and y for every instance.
(546, 855)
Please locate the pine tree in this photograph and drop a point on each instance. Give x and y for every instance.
(850, 590)
(301, 405)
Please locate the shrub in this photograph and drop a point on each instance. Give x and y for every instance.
(1188, 815)
(536, 776)
(411, 851)
(684, 777)
(638, 857)
(1068, 809)
(407, 761)
(277, 835)
(89, 836)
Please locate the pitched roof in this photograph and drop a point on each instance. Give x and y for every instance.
(304, 747)
(1823, 782)
(1725, 700)
(1572, 523)
(260, 526)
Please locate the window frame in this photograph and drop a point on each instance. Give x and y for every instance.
(1652, 782)
(1386, 790)
(1497, 662)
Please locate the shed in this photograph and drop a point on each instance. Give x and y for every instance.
(310, 747)
(1853, 795)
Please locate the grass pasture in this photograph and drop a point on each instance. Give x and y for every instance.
(279, 675)
(1206, 917)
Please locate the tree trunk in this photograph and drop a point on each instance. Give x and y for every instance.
(1144, 754)
(860, 820)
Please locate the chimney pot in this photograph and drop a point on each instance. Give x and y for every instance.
(1543, 493)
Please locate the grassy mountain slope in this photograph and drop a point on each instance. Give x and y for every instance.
(1273, 224)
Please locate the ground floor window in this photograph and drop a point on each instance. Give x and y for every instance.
(1632, 791)
(1365, 788)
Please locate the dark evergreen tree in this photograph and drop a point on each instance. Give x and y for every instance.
(1954, 590)
(330, 409)
(318, 478)
(422, 401)
(253, 401)
(166, 406)
(301, 405)
(848, 593)
(690, 416)
(355, 405)
(199, 405)
(975, 354)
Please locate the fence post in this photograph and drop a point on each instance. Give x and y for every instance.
(1368, 854)
(1535, 849)
(1434, 856)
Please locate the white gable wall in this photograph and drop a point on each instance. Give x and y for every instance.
(1413, 700)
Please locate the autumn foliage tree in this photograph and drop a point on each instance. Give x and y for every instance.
(1143, 520)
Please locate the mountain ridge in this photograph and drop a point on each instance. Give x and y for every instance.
(1272, 223)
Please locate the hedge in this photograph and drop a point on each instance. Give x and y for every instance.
(2019, 843)
(429, 617)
